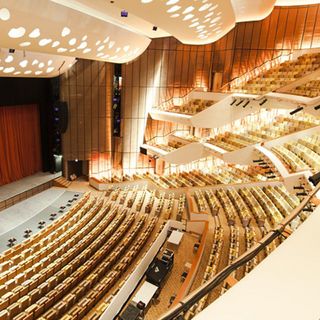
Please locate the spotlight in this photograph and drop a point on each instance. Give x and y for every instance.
(12, 50)
(296, 110)
(238, 104)
(246, 104)
(315, 179)
(317, 107)
(263, 102)
(233, 102)
(124, 13)
(154, 28)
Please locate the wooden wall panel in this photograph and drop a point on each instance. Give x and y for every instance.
(87, 87)
(285, 29)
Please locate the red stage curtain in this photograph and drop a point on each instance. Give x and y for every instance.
(20, 149)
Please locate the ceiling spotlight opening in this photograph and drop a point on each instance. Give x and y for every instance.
(124, 13)
(154, 28)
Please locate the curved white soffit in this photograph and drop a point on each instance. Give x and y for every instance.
(252, 10)
(43, 26)
(296, 2)
(32, 64)
(191, 22)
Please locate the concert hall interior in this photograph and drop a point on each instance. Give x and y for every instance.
(159, 159)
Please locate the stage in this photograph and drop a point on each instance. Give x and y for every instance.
(27, 214)
(17, 191)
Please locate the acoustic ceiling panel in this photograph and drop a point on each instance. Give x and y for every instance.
(47, 27)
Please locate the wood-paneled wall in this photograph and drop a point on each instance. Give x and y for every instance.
(166, 69)
(87, 87)
(250, 44)
(169, 69)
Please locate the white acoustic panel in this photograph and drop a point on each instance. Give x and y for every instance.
(32, 64)
(192, 22)
(47, 27)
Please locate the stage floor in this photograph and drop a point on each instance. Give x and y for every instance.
(27, 214)
(12, 189)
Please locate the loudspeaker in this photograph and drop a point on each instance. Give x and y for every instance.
(61, 115)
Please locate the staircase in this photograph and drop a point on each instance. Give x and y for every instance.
(61, 182)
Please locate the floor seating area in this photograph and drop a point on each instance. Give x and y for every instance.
(281, 75)
(65, 269)
(190, 107)
(301, 154)
(283, 125)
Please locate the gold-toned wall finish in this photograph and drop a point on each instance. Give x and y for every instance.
(250, 44)
(166, 69)
(169, 69)
(87, 87)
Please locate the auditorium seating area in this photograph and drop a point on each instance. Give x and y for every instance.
(301, 154)
(282, 126)
(188, 107)
(284, 74)
(65, 269)
(310, 89)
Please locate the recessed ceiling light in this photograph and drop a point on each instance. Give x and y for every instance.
(44, 42)
(8, 59)
(86, 50)
(28, 72)
(8, 70)
(72, 41)
(84, 38)
(34, 62)
(170, 2)
(188, 16)
(106, 39)
(100, 48)
(35, 33)
(38, 72)
(175, 15)
(173, 9)
(23, 63)
(188, 9)
(62, 50)
(25, 44)
(17, 72)
(50, 69)
(82, 45)
(17, 32)
(55, 44)
(50, 62)
(205, 7)
(65, 31)
(146, 1)
(41, 65)
(4, 14)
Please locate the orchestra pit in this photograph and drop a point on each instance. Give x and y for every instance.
(159, 160)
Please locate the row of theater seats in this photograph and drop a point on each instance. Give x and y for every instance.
(268, 203)
(231, 141)
(251, 240)
(211, 270)
(301, 154)
(216, 175)
(279, 76)
(190, 108)
(65, 269)
(311, 89)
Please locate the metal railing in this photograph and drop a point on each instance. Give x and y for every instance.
(186, 303)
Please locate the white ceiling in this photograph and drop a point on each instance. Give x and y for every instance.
(95, 30)
(32, 64)
(44, 26)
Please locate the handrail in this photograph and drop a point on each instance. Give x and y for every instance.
(226, 86)
(179, 97)
(186, 303)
